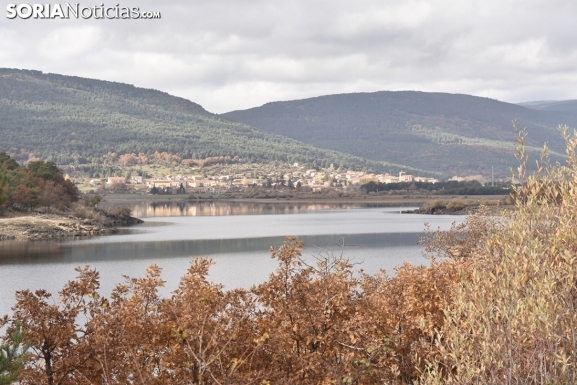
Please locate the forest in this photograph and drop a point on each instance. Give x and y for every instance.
(497, 304)
(70, 121)
(450, 133)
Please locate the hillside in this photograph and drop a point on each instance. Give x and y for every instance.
(552, 105)
(450, 133)
(72, 120)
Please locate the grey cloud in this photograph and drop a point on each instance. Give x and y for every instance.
(229, 55)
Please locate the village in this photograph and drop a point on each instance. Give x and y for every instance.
(301, 180)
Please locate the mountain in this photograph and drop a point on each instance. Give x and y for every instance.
(536, 103)
(449, 133)
(552, 105)
(70, 119)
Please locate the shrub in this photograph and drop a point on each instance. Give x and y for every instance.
(307, 324)
(459, 204)
(489, 202)
(514, 317)
(436, 204)
(83, 212)
(122, 212)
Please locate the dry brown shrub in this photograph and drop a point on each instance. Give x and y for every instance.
(435, 204)
(308, 324)
(459, 204)
(122, 212)
(514, 317)
(463, 240)
(83, 212)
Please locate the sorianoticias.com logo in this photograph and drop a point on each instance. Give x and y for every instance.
(76, 11)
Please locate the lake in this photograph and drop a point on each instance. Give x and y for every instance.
(237, 236)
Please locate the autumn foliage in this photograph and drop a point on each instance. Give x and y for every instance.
(513, 319)
(307, 324)
(497, 304)
(39, 184)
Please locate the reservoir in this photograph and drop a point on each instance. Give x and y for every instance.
(236, 236)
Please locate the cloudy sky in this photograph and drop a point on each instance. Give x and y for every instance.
(236, 54)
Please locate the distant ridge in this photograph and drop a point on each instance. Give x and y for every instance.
(69, 119)
(452, 133)
(552, 105)
(537, 103)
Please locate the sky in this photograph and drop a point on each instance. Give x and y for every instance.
(237, 54)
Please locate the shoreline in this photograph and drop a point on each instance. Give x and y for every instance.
(386, 200)
(38, 226)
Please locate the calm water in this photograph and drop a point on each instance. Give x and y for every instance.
(377, 238)
(167, 208)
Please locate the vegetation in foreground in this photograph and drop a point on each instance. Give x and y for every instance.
(496, 305)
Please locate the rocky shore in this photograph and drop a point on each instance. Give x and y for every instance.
(52, 226)
(442, 211)
(461, 207)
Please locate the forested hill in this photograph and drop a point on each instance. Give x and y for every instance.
(552, 105)
(69, 119)
(455, 134)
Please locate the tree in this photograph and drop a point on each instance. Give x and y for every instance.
(54, 195)
(60, 349)
(3, 191)
(92, 201)
(44, 170)
(7, 162)
(25, 196)
(12, 354)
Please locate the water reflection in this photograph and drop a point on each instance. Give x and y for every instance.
(40, 251)
(52, 252)
(143, 209)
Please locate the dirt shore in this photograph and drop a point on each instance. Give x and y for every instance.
(48, 226)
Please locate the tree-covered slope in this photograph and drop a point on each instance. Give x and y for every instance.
(64, 118)
(454, 134)
(552, 105)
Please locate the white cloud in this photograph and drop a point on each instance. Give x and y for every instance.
(230, 55)
(69, 43)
